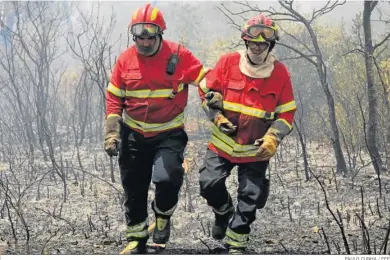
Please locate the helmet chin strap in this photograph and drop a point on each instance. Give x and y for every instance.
(149, 51)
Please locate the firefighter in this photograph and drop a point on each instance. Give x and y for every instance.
(249, 98)
(149, 85)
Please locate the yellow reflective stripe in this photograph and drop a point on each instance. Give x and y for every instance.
(154, 127)
(113, 115)
(229, 146)
(229, 150)
(235, 239)
(154, 14)
(147, 93)
(285, 122)
(202, 72)
(138, 227)
(233, 243)
(140, 234)
(169, 212)
(137, 231)
(130, 247)
(115, 90)
(135, 14)
(286, 107)
(239, 108)
(229, 141)
(203, 85)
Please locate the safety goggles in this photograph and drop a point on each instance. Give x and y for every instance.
(145, 28)
(267, 33)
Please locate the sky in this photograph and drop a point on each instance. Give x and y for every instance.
(201, 20)
(211, 22)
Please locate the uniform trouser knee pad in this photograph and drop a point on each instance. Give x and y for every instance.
(262, 200)
(135, 193)
(213, 189)
(168, 170)
(166, 197)
(252, 193)
(168, 182)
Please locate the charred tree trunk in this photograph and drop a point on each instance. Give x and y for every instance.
(304, 151)
(341, 166)
(371, 91)
(321, 68)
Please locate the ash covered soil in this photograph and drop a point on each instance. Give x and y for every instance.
(294, 221)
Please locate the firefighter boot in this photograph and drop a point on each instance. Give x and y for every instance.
(221, 223)
(136, 236)
(135, 247)
(236, 251)
(162, 230)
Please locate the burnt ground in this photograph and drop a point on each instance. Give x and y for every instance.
(294, 220)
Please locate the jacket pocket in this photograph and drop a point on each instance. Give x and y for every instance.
(132, 79)
(269, 99)
(181, 98)
(233, 91)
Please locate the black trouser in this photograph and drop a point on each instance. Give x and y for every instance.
(253, 188)
(157, 158)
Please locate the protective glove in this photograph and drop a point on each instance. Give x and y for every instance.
(216, 116)
(272, 138)
(268, 145)
(223, 124)
(214, 100)
(112, 138)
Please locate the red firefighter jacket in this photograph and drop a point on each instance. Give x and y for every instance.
(249, 103)
(153, 101)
